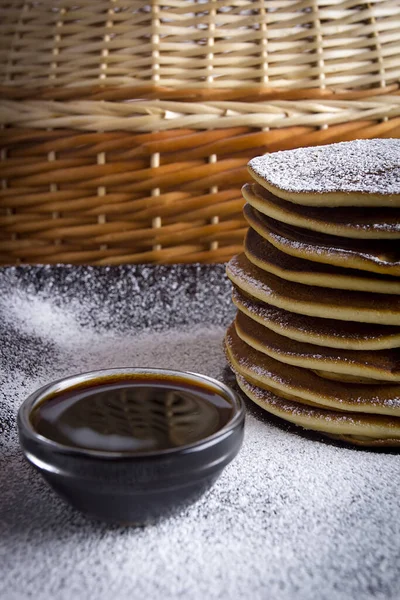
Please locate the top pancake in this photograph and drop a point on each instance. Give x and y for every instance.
(357, 173)
(371, 223)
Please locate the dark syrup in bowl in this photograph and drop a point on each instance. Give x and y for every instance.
(131, 445)
(145, 415)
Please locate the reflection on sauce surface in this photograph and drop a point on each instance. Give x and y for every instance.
(142, 415)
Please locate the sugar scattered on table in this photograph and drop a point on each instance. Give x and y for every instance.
(289, 518)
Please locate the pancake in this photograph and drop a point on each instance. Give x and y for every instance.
(264, 255)
(365, 430)
(348, 378)
(318, 331)
(377, 256)
(362, 307)
(366, 442)
(286, 380)
(371, 223)
(382, 364)
(357, 173)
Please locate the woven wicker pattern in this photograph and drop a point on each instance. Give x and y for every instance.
(126, 125)
(282, 43)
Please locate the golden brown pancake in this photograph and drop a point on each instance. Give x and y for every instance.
(314, 330)
(381, 364)
(356, 428)
(371, 223)
(304, 385)
(348, 378)
(362, 307)
(377, 256)
(264, 255)
(357, 173)
(366, 442)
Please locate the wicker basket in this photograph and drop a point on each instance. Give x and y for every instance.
(126, 125)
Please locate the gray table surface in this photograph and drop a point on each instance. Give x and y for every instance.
(293, 517)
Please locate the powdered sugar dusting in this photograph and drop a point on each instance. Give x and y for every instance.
(360, 166)
(289, 518)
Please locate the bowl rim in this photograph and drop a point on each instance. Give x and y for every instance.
(51, 389)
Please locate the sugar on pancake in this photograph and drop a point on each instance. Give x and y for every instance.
(377, 256)
(315, 330)
(382, 309)
(304, 385)
(353, 222)
(266, 256)
(356, 173)
(380, 365)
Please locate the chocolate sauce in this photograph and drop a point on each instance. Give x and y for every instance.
(142, 414)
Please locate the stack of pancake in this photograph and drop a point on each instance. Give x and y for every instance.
(316, 339)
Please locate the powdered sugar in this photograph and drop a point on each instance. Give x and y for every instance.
(289, 518)
(360, 166)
